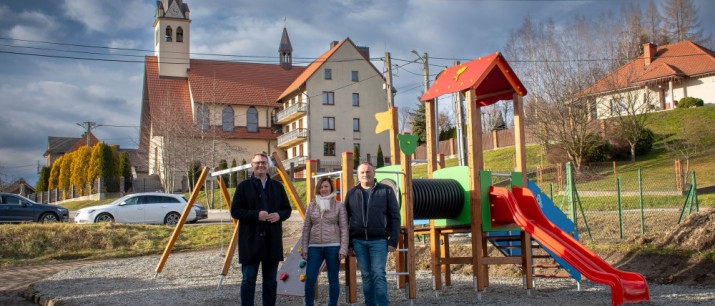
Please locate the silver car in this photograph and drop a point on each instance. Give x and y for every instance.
(149, 207)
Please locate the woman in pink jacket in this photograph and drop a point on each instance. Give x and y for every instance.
(325, 237)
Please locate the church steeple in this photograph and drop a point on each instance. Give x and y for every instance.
(285, 51)
(172, 37)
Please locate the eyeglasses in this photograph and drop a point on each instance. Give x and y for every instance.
(259, 163)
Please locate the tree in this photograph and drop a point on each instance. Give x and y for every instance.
(405, 118)
(44, 179)
(419, 123)
(54, 180)
(223, 165)
(79, 169)
(244, 172)
(66, 172)
(125, 169)
(682, 22)
(380, 157)
(234, 175)
(356, 156)
(94, 164)
(194, 173)
(653, 25)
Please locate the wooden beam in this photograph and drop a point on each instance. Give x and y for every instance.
(430, 124)
(310, 168)
(476, 163)
(394, 143)
(346, 182)
(292, 193)
(408, 220)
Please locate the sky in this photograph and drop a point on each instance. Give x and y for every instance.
(66, 62)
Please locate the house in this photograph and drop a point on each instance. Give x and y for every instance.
(59, 146)
(20, 187)
(203, 111)
(330, 108)
(657, 79)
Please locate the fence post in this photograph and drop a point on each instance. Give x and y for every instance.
(620, 207)
(572, 204)
(640, 199)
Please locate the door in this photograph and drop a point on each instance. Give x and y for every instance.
(160, 206)
(16, 209)
(132, 211)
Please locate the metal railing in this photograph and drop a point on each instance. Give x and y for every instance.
(291, 110)
(292, 135)
(297, 161)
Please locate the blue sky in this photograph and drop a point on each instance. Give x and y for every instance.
(43, 96)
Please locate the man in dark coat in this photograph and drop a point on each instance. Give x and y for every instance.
(261, 205)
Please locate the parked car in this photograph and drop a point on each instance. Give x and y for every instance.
(148, 207)
(16, 208)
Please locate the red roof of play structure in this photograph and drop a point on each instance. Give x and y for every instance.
(490, 76)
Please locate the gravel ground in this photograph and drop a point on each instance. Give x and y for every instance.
(192, 278)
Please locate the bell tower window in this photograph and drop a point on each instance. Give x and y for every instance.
(179, 34)
(168, 33)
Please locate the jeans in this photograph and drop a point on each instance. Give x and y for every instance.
(372, 257)
(270, 284)
(316, 255)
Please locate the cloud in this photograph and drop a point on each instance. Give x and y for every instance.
(108, 16)
(28, 25)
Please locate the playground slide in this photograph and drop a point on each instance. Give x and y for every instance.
(626, 287)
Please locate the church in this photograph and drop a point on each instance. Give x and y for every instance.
(201, 111)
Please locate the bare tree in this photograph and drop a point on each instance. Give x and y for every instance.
(405, 117)
(682, 22)
(653, 25)
(555, 64)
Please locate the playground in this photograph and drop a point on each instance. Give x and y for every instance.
(464, 238)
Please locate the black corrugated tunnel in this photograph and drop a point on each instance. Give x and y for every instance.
(434, 198)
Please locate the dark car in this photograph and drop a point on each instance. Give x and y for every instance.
(16, 208)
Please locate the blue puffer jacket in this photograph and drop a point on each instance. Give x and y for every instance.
(382, 220)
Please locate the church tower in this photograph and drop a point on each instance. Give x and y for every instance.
(285, 51)
(172, 37)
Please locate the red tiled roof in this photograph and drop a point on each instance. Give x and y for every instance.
(239, 83)
(491, 77)
(168, 97)
(310, 70)
(83, 142)
(677, 60)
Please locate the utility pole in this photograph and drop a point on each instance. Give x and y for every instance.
(425, 67)
(459, 113)
(388, 80)
(88, 126)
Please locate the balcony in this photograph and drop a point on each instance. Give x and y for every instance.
(298, 162)
(292, 112)
(292, 138)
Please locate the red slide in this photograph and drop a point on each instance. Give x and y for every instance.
(626, 287)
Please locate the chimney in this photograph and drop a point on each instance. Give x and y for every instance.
(334, 43)
(365, 52)
(649, 51)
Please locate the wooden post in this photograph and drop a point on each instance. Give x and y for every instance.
(182, 220)
(408, 224)
(346, 182)
(226, 197)
(520, 145)
(394, 143)
(476, 164)
(430, 123)
(310, 169)
(292, 193)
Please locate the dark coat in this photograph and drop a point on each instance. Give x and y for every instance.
(382, 220)
(259, 240)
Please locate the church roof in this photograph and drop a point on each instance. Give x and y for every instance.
(285, 46)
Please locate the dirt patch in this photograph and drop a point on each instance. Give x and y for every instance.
(695, 233)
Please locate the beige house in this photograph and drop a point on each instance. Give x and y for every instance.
(207, 110)
(330, 108)
(657, 80)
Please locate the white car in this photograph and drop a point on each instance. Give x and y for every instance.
(148, 207)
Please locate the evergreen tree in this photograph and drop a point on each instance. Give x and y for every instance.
(79, 170)
(234, 175)
(65, 172)
(94, 164)
(54, 174)
(419, 123)
(223, 165)
(356, 156)
(499, 124)
(682, 22)
(194, 173)
(380, 157)
(109, 170)
(44, 180)
(125, 166)
(244, 173)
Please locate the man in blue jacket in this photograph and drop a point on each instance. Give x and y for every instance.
(261, 205)
(374, 218)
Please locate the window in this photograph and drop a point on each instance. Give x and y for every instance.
(355, 77)
(356, 124)
(328, 98)
(8, 199)
(227, 119)
(252, 120)
(134, 200)
(328, 149)
(202, 117)
(328, 74)
(168, 33)
(329, 123)
(617, 105)
(179, 34)
(356, 99)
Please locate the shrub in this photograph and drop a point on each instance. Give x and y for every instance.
(599, 152)
(690, 102)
